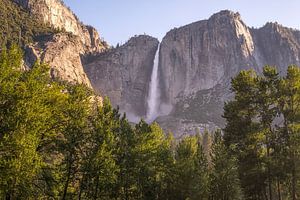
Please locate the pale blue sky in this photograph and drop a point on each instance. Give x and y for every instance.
(118, 20)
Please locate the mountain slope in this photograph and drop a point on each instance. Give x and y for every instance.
(197, 62)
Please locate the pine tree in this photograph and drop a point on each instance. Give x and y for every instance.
(125, 188)
(266, 100)
(262, 132)
(289, 105)
(99, 167)
(224, 177)
(243, 136)
(190, 170)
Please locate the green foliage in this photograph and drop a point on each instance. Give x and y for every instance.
(18, 26)
(224, 178)
(58, 141)
(26, 114)
(190, 170)
(262, 132)
(99, 169)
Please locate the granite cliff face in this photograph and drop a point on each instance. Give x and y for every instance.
(197, 62)
(63, 54)
(277, 45)
(201, 55)
(57, 15)
(123, 74)
(64, 50)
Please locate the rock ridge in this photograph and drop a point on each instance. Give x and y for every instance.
(198, 58)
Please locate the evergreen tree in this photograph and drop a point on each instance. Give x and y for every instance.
(99, 167)
(57, 141)
(125, 187)
(190, 170)
(266, 100)
(262, 132)
(243, 136)
(73, 138)
(224, 178)
(289, 105)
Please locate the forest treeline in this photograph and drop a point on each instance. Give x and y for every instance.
(60, 141)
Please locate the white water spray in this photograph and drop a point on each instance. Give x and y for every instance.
(154, 93)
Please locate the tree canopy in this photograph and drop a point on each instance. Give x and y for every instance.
(61, 141)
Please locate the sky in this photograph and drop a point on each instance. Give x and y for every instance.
(118, 20)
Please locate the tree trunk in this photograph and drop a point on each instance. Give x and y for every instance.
(294, 181)
(7, 196)
(278, 190)
(269, 175)
(80, 187)
(96, 188)
(68, 179)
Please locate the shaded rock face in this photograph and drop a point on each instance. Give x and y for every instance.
(123, 74)
(197, 62)
(277, 45)
(56, 14)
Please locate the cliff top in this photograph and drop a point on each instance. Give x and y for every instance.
(231, 16)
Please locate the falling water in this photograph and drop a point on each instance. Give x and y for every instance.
(153, 96)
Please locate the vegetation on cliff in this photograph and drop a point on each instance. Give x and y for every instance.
(18, 26)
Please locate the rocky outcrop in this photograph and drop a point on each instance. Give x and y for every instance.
(57, 15)
(62, 53)
(70, 43)
(277, 45)
(197, 62)
(123, 74)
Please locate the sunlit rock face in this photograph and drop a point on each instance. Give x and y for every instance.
(63, 54)
(56, 14)
(197, 62)
(123, 74)
(63, 51)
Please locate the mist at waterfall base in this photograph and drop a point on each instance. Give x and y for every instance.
(155, 107)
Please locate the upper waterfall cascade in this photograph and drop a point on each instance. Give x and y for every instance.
(153, 100)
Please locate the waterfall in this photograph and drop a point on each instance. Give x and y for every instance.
(154, 93)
